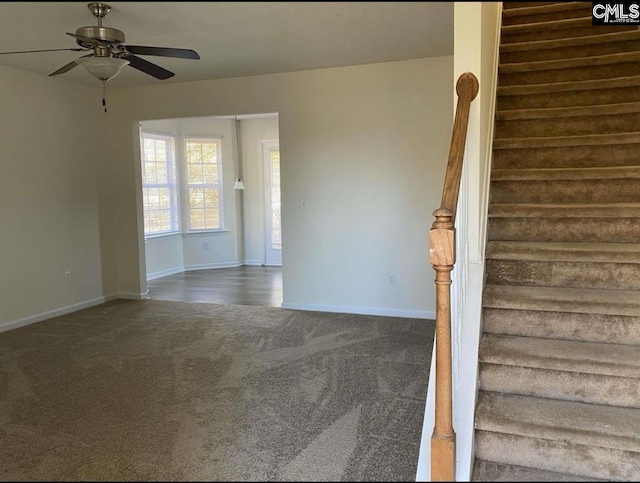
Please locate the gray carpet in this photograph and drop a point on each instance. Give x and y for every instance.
(157, 390)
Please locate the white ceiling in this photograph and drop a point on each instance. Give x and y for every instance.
(232, 38)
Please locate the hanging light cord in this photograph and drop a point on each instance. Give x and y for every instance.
(104, 95)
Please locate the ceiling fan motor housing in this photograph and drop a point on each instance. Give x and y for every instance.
(106, 34)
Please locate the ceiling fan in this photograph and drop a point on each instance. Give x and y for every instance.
(110, 53)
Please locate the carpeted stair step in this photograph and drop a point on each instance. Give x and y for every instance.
(492, 471)
(571, 48)
(567, 157)
(572, 96)
(562, 436)
(511, 5)
(591, 70)
(530, 17)
(617, 329)
(568, 125)
(586, 229)
(560, 222)
(537, 174)
(564, 210)
(539, 13)
(569, 63)
(549, 46)
(557, 29)
(596, 275)
(588, 372)
(570, 112)
(545, 26)
(557, 141)
(628, 253)
(585, 85)
(607, 190)
(553, 299)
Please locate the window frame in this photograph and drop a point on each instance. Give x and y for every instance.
(185, 185)
(173, 183)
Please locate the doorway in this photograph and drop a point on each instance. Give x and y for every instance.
(272, 226)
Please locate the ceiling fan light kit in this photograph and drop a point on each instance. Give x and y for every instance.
(102, 68)
(111, 54)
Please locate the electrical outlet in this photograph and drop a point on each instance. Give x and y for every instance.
(206, 245)
(304, 205)
(67, 277)
(391, 278)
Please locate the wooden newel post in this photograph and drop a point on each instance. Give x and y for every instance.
(442, 257)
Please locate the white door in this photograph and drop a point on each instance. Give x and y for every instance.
(271, 187)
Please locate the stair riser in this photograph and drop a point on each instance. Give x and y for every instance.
(568, 386)
(565, 157)
(547, 16)
(591, 50)
(608, 276)
(594, 97)
(616, 329)
(566, 191)
(572, 74)
(563, 33)
(581, 230)
(567, 126)
(558, 456)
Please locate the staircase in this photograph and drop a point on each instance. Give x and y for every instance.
(559, 392)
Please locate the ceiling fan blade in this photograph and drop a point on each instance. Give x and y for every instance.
(68, 67)
(45, 50)
(162, 51)
(148, 68)
(64, 68)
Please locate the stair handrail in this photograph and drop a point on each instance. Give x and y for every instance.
(442, 256)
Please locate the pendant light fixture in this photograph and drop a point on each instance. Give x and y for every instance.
(239, 185)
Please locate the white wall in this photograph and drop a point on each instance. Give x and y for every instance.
(51, 133)
(365, 145)
(476, 42)
(175, 253)
(164, 255)
(252, 132)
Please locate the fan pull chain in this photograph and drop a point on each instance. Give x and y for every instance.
(104, 95)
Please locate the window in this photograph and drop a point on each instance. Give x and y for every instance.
(203, 169)
(159, 190)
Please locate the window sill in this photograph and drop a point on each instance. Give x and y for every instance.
(149, 238)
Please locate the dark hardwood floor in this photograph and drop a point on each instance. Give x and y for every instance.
(246, 285)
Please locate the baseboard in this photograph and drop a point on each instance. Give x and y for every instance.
(207, 266)
(164, 273)
(32, 319)
(253, 262)
(133, 296)
(341, 309)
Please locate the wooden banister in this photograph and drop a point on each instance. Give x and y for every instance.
(442, 256)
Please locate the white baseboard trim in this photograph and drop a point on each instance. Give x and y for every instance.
(164, 273)
(32, 319)
(207, 266)
(134, 296)
(412, 314)
(252, 262)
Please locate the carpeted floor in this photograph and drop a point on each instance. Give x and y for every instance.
(157, 390)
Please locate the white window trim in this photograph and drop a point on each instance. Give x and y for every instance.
(184, 185)
(173, 162)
